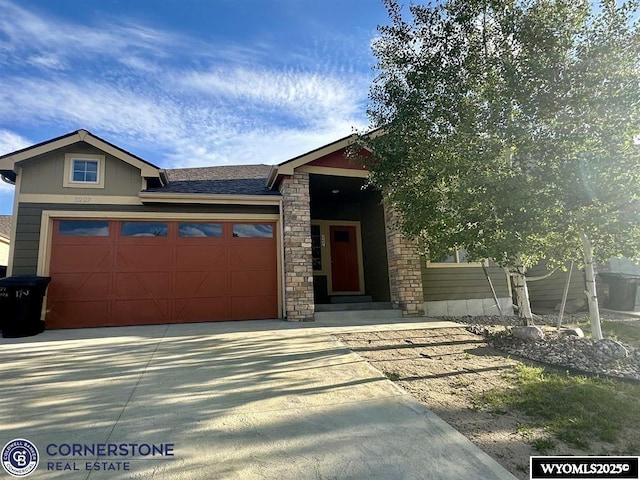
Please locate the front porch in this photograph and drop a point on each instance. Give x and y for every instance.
(342, 249)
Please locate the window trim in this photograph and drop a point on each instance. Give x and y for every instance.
(455, 264)
(70, 158)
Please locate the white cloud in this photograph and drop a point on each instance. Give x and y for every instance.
(52, 41)
(89, 104)
(10, 142)
(267, 145)
(143, 98)
(305, 92)
(53, 38)
(193, 131)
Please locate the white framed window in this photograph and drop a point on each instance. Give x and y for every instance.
(454, 258)
(84, 170)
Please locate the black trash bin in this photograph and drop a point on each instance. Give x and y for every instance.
(21, 305)
(622, 290)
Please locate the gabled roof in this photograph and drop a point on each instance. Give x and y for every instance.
(220, 180)
(5, 226)
(8, 161)
(287, 167)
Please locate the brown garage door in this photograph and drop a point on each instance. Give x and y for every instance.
(107, 272)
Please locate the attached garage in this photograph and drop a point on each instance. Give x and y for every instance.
(108, 272)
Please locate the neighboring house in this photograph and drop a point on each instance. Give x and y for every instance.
(126, 242)
(5, 242)
(546, 294)
(617, 286)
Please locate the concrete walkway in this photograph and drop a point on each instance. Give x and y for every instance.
(242, 400)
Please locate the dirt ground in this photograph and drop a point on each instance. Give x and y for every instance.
(447, 370)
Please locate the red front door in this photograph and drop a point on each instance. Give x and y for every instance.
(344, 259)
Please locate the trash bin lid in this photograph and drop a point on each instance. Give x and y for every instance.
(629, 277)
(24, 281)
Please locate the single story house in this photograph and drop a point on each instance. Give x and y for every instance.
(5, 241)
(126, 242)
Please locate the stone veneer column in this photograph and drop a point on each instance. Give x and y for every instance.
(298, 266)
(405, 270)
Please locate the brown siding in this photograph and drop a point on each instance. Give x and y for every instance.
(461, 283)
(27, 233)
(339, 160)
(547, 293)
(374, 249)
(45, 175)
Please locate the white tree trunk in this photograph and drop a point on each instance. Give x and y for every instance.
(522, 292)
(590, 292)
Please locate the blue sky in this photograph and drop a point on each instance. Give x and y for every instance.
(186, 83)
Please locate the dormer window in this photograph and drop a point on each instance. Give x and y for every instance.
(84, 170)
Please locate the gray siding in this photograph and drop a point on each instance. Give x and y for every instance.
(45, 174)
(547, 293)
(374, 249)
(462, 283)
(27, 233)
(26, 238)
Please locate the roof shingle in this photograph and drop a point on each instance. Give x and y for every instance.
(5, 226)
(221, 180)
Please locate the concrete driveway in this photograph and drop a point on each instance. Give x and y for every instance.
(242, 400)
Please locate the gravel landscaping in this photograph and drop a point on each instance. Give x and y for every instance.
(562, 348)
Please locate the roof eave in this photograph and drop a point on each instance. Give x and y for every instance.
(207, 198)
(287, 167)
(273, 175)
(8, 161)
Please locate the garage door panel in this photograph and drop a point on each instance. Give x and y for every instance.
(201, 284)
(143, 311)
(251, 257)
(77, 314)
(254, 308)
(202, 309)
(83, 240)
(81, 258)
(149, 258)
(201, 257)
(143, 285)
(254, 282)
(74, 286)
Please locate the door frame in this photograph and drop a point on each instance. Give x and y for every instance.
(326, 254)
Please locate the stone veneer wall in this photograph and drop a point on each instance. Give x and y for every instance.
(298, 267)
(405, 270)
